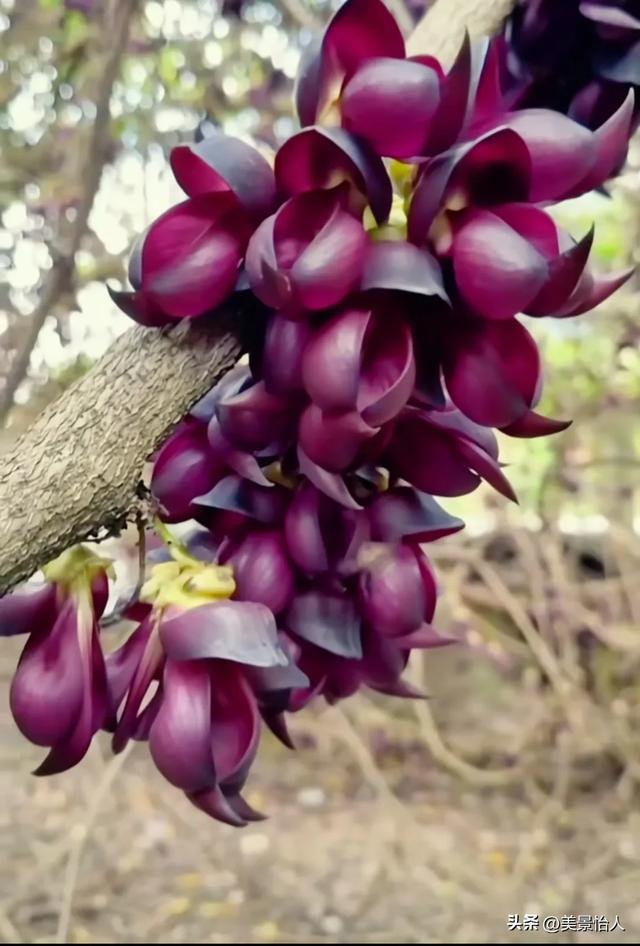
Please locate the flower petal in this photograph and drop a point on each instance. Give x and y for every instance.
(393, 596)
(562, 152)
(262, 569)
(400, 266)
(403, 512)
(285, 342)
(492, 372)
(321, 534)
(330, 484)
(185, 467)
(328, 619)
(359, 31)
(255, 418)
(235, 494)
(321, 158)
(191, 256)
(47, 690)
(535, 425)
(333, 441)
(29, 608)
(235, 721)
(497, 272)
(180, 736)
(391, 103)
(223, 163)
(428, 457)
(241, 631)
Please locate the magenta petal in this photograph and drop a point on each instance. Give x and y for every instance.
(222, 163)
(180, 737)
(231, 383)
(254, 418)
(403, 267)
(533, 224)
(310, 255)
(271, 286)
(328, 619)
(562, 152)
(235, 494)
(332, 360)
(308, 83)
(388, 372)
(121, 666)
(391, 104)
(428, 458)
(330, 267)
(242, 631)
(393, 596)
(493, 169)
(29, 608)
(47, 690)
(146, 671)
(333, 441)
(359, 31)
(497, 272)
(321, 534)
(191, 256)
(321, 158)
(592, 291)
(285, 343)
(488, 468)
(184, 468)
(535, 425)
(330, 484)
(213, 803)
(361, 360)
(459, 424)
(454, 99)
(403, 512)
(262, 570)
(244, 464)
(610, 141)
(492, 372)
(235, 721)
(565, 271)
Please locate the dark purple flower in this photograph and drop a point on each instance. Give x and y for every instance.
(322, 536)
(397, 592)
(309, 255)
(362, 361)
(576, 57)
(444, 453)
(58, 693)
(322, 158)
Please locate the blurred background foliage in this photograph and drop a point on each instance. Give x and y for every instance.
(515, 788)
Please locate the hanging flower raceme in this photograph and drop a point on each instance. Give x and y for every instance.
(579, 57)
(392, 248)
(183, 681)
(58, 693)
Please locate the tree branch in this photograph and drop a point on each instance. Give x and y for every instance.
(78, 468)
(116, 34)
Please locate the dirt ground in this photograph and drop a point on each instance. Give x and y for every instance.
(369, 839)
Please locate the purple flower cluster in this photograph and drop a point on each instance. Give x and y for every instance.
(392, 246)
(579, 57)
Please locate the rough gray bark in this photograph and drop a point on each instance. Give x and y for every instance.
(77, 470)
